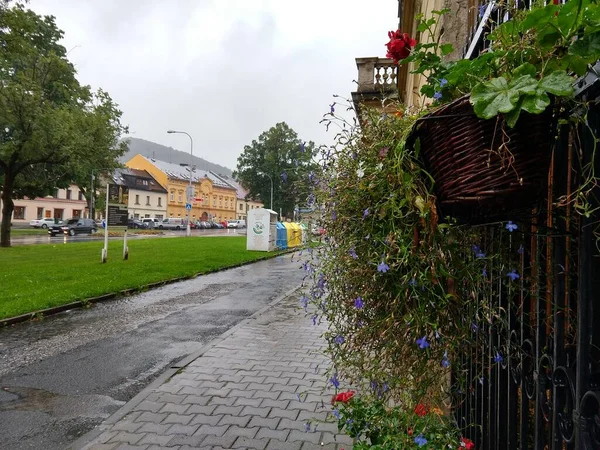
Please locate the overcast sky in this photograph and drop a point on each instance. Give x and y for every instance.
(222, 70)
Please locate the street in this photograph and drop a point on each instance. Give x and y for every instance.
(62, 376)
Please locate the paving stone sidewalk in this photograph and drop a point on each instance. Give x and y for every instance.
(261, 387)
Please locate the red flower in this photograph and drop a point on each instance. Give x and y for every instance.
(343, 397)
(410, 432)
(399, 46)
(467, 443)
(421, 410)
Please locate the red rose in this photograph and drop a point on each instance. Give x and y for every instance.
(399, 46)
(467, 443)
(421, 410)
(343, 397)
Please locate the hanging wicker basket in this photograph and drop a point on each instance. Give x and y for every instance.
(484, 170)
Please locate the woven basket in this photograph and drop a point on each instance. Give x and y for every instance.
(483, 170)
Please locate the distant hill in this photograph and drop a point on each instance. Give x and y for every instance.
(169, 154)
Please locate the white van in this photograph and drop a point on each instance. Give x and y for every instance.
(150, 222)
(236, 224)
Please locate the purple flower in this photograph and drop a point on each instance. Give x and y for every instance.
(443, 82)
(445, 360)
(303, 147)
(484, 273)
(479, 254)
(365, 213)
(420, 440)
(334, 381)
(307, 427)
(511, 226)
(422, 343)
(412, 282)
(321, 281)
(352, 253)
(332, 108)
(437, 95)
(520, 250)
(358, 303)
(383, 152)
(513, 275)
(336, 413)
(304, 301)
(475, 248)
(311, 177)
(498, 358)
(310, 200)
(482, 9)
(474, 327)
(333, 215)
(339, 339)
(314, 319)
(383, 267)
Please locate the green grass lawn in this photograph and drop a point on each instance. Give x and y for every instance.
(27, 231)
(34, 277)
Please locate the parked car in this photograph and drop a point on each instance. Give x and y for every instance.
(74, 226)
(236, 224)
(44, 223)
(136, 223)
(172, 223)
(151, 222)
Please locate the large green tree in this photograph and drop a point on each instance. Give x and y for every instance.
(282, 155)
(52, 129)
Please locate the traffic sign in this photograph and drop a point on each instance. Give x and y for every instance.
(188, 206)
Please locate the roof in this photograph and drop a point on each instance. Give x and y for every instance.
(241, 192)
(175, 171)
(137, 179)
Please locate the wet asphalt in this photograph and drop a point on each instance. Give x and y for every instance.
(64, 375)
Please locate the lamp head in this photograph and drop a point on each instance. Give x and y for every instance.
(171, 131)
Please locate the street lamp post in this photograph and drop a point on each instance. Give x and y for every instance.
(190, 191)
(271, 180)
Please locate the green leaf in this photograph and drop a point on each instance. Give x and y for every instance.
(570, 15)
(511, 117)
(536, 103)
(493, 97)
(504, 31)
(538, 18)
(524, 85)
(525, 69)
(586, 47)
(422, 27)
(576, 64)
(548, 37)
(557, 83)
(446, 49)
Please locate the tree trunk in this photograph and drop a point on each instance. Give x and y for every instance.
(7, 209)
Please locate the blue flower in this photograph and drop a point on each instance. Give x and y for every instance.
(482, 9)
(352, 253)
(358, 303)
(498, 358)
(383, 267)
(332, 108)
(333, 215)
(475, 248)
(339, 339)
(484, 273)
(520, 250)
(513, 275)
(422, 343)
(511, 226)
(314, 319)
(445, 360)
(474, 327)
(307, 427)
(412, 282)
(337, 415)
(334, 381)
(321, 281)
(284, 176)
(304, 301)
(420, 440)
(437, 95)
(311, 177)
(365, 213)
(443, 82)
(303, 147)
(479, 254)
(298, 397)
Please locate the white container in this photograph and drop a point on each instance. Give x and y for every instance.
(262, 230)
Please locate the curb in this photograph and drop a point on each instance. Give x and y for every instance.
(125, 292)
(83, 441)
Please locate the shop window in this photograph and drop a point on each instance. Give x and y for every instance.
(19, 212)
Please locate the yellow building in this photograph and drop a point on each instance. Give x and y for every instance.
(214, 198)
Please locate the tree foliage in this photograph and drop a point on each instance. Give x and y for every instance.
(282, 155)
(52, 129)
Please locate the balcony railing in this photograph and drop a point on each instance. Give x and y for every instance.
(376, 75)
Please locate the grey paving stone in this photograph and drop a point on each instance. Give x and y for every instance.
(264, 422)
(125, 437)
(241, 421)
(201, 409)
(242, 401)
(178, 418)
(147, 416)
(337, 438)
(103, 447)
(287, 424)
(149, 406)
(195, 400)
(131, 447)
(221, 401)
(265, 394)
(291, 414)
(162, 447)
(312, 446)
(222, 441)
(152, 438)
(304, 436)
(234, 430)
(127, 425)
(173, 408)
(191, 441)
(242, 393)
(154, 428)
(187, 430)
(206, 419)
(253, 411)
(274, 444)
(254, 444)
(231, 410)
(213, 430)
(269, 433)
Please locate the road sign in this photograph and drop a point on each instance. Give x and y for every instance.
(198, 199)
(188, 206)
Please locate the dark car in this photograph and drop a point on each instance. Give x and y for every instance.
(135, 223)
(73, 227)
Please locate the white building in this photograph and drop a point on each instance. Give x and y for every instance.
(147, 198)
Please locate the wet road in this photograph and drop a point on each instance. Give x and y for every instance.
(62, 376)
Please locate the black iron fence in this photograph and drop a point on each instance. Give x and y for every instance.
(532, 379)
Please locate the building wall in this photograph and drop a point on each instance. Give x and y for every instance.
(243, 206)
(64, 204)
(147, 204)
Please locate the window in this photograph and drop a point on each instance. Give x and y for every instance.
(180, 198)
(159, 216)
(80, 196)
(69, 194)
(40, 213)
(231, 204)
(137, 199)
(172, 196)
(19, 212)
(241, 206)
(76, 213)
(159, 201)
(58, 213)
(147, 200)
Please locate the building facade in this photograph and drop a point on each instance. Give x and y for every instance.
(214, 199)
(63, 204)
(243, 203)
(147, 198)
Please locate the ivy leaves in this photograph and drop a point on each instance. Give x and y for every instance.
(523, 92)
